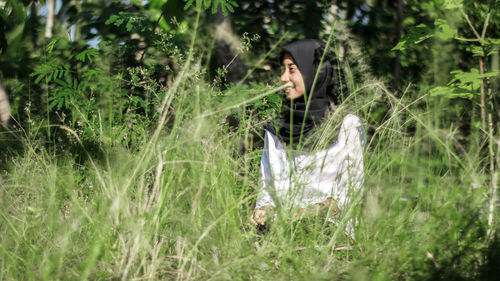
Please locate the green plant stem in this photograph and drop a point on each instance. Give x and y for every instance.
(467, 39)
(481, 71)
(308, 99)
(272, 91)
(483, 33)
(487, 20)
(469, 23)
(494, 180)
(47, 97)
(483, 98)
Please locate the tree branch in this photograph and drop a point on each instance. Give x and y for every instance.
(470, 23)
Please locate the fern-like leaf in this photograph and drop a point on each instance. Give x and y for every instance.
(91, 73)
(50, 72)
(225, 5)
(88, 54)
(189, 3)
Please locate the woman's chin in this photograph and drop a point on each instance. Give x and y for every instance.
(292, 95)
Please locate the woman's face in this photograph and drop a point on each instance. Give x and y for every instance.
(292, 77)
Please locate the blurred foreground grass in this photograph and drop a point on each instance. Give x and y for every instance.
(178, 207)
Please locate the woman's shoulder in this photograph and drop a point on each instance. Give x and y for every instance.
(272, 141)
(352, 119)
(268, 135)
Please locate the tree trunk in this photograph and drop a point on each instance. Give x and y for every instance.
(50, 18)
(76, 35)
(227, 54)
(34, 25)
(495, 88)
(4, 106)
(226, 49)
(397, 60)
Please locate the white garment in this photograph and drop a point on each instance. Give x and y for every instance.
(293, 180)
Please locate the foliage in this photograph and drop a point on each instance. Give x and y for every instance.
(475, 84)
(273, 19)
(463, 84)
(124, 162)
(224, 5)
(181, 201)
(131, 21)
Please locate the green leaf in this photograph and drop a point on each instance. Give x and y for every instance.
(274, 98)
(476, 51)
(117, 20)
(61, 83)
(37, 80)
(88, 54)
(188, 4)
(52, 43)
(492, 52)
(91, 73)
(225, 5)
(472, 78)
(453, 4)
(129, 26)
(206, 3)
(133, 22)
(14, 12)
(463, 84)
(400, 46)
(49, 71)
(416, 35)
(54, 103)
(452, 92)
(444, 32)
(214, 9)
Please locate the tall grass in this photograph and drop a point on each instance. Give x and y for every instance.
(179, 207)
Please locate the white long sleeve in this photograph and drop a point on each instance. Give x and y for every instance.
(290, 180)
(264, 197)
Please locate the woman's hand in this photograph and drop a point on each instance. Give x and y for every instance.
(260, 216)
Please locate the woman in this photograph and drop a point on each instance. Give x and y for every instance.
(297, 175)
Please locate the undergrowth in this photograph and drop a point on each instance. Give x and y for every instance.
(173, 201)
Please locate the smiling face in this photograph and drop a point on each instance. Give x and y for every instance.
(293, 77)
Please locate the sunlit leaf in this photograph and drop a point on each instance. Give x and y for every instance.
(463, 84)
(225, 5)
(91, 73)
(453, 4)
(475, 50)
(88, 54)
(52, 43)
(444, 31)
(416, 35)
(452, 92)
(188, 4)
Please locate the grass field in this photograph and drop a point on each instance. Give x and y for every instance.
(178, 206)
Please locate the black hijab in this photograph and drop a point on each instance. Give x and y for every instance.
(330, 88)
